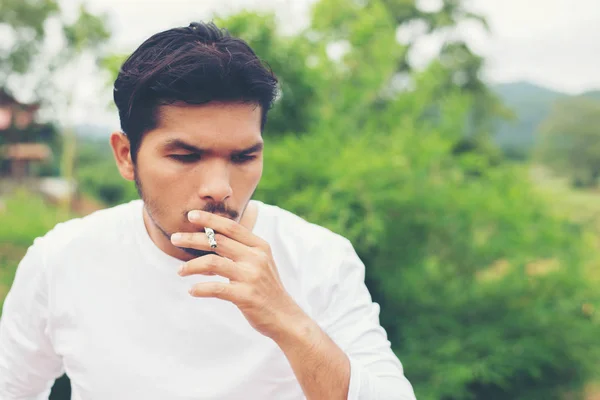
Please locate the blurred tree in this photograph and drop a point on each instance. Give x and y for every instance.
(374, 40)
(477, 279)
(288, 56)
(30, 64)
(25, 22)
(570, 140)
(32, 30)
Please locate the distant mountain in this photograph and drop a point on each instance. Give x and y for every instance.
(594, 94)
(531, 104)
(526, 92)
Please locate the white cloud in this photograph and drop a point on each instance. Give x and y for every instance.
(135, 20)
(551, 42)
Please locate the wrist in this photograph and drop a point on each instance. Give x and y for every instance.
(295, 330)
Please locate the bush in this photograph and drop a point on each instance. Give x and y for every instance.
(101, 180)
(482, 287)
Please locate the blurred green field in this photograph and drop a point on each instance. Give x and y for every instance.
(580, 206)
(23, 217)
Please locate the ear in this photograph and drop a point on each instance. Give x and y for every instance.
(122, 152)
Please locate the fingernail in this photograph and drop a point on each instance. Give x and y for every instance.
(193, 215)
(180, 271)
(176, 237)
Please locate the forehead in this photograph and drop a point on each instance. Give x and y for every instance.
(209, 125)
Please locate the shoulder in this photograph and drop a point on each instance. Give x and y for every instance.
(317, 262)
(71, 241)
(95, 229)
(314, 252)
(287, 227)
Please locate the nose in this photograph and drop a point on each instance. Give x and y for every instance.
(214, 182)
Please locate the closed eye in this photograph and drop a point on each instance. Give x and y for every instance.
(185, 158)
(243, 158)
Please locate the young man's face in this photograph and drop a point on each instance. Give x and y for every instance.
(206, 157)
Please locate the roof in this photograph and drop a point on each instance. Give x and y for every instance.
(8, 99)
(26, 151)
(5, 97)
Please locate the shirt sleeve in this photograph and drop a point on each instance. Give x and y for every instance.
(351, 320)
(28, 363)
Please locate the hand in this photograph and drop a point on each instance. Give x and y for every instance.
(246, 260)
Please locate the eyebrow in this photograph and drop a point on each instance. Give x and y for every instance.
(177, 144)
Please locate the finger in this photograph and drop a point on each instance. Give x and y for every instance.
(219, 290)
(226, 247)
(211, 264)
(225, 226)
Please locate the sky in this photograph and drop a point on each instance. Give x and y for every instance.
(553, 43)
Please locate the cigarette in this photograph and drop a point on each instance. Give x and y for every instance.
(210, 234)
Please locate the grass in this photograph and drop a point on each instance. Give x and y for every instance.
(580, 206)
(27, 216)
(23, 217)
(9, 258)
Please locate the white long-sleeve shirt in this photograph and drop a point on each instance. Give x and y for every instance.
(95, 297)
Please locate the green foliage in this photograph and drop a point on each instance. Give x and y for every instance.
(103, 181)
(570, 140)
(86, 32)
(477, 278)
(26, 20)
(28, 58)
(98, 176)
(295, 109)
(376, 66)
(111, 63)
(476, 275)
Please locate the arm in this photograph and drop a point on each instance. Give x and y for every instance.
(321, 367)
(350, 321)
(28, 364)
(343, 354)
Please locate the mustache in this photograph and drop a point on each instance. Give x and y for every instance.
(221, 209)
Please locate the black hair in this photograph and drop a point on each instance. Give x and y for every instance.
(197, 64)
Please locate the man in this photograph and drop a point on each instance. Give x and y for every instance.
(142, 301)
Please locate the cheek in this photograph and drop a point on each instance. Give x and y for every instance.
(158, 176)
(250, 176)
(244, 180)
(163, 170)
